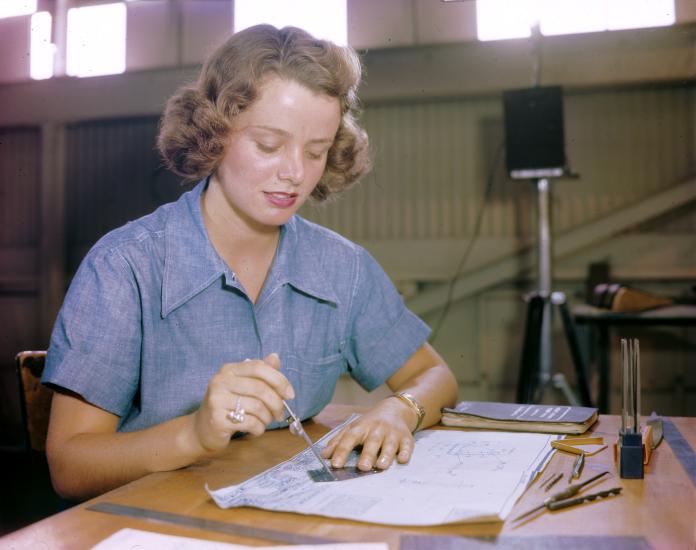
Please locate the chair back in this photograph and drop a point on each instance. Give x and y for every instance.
(35, 398)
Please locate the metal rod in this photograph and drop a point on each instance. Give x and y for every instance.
(577, 467)
(636, 385)
(553, 481)
(624, 385)
(299, 430)
(545, 280)
(630, 388)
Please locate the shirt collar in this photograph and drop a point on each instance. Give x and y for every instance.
(299, 262)
(192, 264)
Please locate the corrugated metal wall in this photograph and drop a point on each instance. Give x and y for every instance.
(682, 221)
(428, 178)
(626, 146)
(20, 151)
(20, 234)
(113, 175)
(432, 160)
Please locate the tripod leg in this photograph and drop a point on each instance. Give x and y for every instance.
(560, 383)
(528, 380)
(558, 298)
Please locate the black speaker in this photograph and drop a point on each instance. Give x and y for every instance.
(534, 135)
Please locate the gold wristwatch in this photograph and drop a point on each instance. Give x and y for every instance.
(411, 402)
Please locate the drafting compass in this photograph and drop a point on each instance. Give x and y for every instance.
(564, 498)
(325, 473)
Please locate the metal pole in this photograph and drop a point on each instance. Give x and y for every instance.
(60, 36)
(545, 283)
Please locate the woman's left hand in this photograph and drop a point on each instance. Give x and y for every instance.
(384, 433)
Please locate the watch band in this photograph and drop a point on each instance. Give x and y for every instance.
(411, 402)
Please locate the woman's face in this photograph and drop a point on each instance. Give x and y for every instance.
(276, 153)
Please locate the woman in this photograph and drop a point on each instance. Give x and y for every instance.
(194, 323)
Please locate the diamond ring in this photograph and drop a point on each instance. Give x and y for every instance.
(237, 415)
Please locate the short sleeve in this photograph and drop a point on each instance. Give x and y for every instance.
(383, 332)
(96, 340)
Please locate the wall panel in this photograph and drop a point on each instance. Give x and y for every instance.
(431, 168)
(114, 175)
(20, 235)
(20, 150)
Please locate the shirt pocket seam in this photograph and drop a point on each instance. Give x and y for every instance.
(314, 362)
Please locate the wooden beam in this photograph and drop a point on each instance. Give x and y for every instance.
(590, 60)
(521, 261)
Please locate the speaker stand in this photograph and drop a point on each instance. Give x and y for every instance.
(537, 352)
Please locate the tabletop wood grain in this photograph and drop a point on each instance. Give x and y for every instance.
(660, 508)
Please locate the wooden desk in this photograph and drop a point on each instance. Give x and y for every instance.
(661, 508)
(603, 320)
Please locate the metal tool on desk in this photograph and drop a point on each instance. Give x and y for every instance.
(652, 435)
(630, 445)
(325, 473)
(574, 445)
(560, 504)
(577, 467)
(557, 498)
(550, 482)
(655, 423)
(295, 426)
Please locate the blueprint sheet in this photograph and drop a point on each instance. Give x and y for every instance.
(453, 476)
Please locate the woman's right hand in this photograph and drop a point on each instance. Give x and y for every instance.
(257, 386)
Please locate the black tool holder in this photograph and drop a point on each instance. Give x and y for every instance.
(630, 452)
(631, 456)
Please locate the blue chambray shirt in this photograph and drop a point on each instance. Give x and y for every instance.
(153, 313)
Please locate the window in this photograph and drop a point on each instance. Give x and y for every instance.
(12, 8)
(501, 19)
(96, 40)
(323, 18)
(41, 49)
(636, 14)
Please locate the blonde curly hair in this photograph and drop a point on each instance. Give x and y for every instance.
(198, 118)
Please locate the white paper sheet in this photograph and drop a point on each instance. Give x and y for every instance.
(453, 476)
(147, 540)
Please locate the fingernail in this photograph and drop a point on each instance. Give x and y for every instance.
(289, 393)
(383, 460)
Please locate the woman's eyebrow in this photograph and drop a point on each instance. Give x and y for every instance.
(285, 134)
